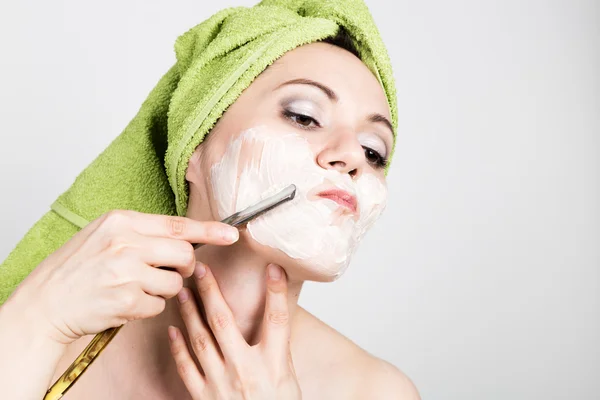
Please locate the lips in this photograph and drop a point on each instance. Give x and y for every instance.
(341, 197)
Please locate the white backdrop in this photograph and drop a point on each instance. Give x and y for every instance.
(482, 279)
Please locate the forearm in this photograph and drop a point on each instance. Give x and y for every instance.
(28, 354)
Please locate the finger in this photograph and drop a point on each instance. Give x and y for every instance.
(132, 303)
(186, 368)
(276, 322)
(169, 226)
(291, 362)
(164, 252)
(219, 315)
(158, 282)
(200, 336)
(149, 306)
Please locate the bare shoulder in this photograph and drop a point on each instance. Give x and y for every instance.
(350, 371)
(386, 381)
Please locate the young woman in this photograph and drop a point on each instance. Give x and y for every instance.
(224, 323)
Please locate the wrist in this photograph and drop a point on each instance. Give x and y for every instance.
(28, 319)
(29, 355)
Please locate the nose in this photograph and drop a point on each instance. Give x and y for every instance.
(344, 154)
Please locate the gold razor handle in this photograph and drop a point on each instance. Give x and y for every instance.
(85, 359)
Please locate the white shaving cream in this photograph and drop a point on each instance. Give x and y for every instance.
(315, 230)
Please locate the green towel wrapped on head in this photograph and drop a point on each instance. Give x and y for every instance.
(144, 168)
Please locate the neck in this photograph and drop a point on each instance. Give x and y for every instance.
(240, 270)
(241, 275)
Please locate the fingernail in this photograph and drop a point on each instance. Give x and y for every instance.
(172, 332)
(200, 270)
(230, 234)
(274, 272)
(182, 296)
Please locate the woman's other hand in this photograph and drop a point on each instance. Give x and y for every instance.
(230, 368)
(107, 274)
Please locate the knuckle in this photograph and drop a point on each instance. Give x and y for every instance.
(183, 368)
(174, 288)
(188, 253)
(112, 274)
(205, 286)
(200, 342)
(160, 306)
(127, 300)
(176, 225)
(188, 271)
(187, 310)
(246, 384)
(220, 321)
(178, 350)
(280, 318)
(177, 283)
(277, 287)
(116, 218)
(117, 244)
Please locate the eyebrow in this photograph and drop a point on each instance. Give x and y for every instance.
(375, 117)
(301, 81)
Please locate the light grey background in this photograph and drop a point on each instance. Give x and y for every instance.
(481, 280)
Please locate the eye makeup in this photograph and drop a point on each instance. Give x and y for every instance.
(300, 120)
(300, 106)
(375, 149)
(301, 110)
(307, 114)
(374, 142)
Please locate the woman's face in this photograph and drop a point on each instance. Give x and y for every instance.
(317, 118)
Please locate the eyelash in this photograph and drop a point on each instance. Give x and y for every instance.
(372, 156)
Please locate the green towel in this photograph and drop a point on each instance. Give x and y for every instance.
(143, 169)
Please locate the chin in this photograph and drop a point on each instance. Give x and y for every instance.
(320, 268)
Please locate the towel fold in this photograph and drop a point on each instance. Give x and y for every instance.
(143, 168)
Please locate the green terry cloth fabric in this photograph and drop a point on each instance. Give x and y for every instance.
(143, 169)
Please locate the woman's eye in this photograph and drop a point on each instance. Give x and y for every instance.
(374, 157)
(304, 121)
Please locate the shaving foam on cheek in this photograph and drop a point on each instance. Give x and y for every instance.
(259, 163)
